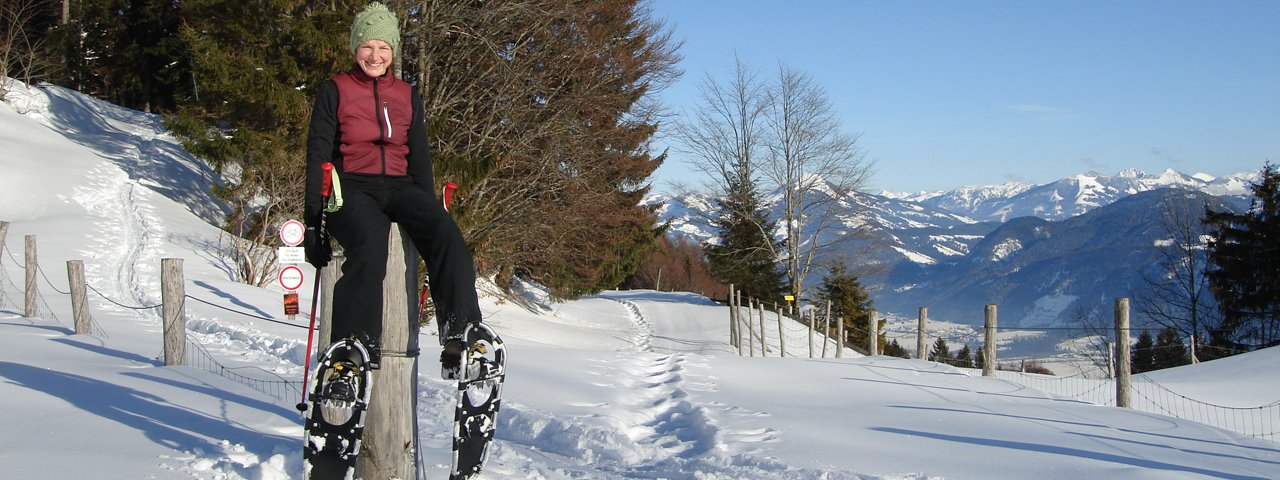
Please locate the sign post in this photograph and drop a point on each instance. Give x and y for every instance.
(291, 277)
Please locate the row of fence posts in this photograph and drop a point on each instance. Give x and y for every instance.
(754, 324)
(389, 446)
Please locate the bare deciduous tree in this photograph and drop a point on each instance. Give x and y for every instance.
(1178, 296)
(21, 50)
(750, 137)
(815, 165)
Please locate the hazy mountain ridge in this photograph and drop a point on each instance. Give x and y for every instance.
(1035, 249)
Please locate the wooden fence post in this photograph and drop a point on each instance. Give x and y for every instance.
(826, 332)
(751, 330)
(782, 335)
(329, 276)
(172, 297)
(922, 338)
(839, 338)
(1123, 385)
(79, 307)
(873, 334)
(759, 306)
(389, 444)
(733, 321)
(989, 349)
(4, 232)
(29, 303)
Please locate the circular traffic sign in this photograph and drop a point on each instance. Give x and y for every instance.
(292, 232)
(291, 277)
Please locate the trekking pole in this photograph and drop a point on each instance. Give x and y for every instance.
(325, 186)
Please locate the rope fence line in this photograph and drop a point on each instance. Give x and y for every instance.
(197, 356)
(1262, 421)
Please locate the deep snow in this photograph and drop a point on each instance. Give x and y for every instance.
(620, 385)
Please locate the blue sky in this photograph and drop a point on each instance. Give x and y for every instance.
(949, 93)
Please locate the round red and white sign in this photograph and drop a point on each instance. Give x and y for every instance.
(292, 232)
(291, 277)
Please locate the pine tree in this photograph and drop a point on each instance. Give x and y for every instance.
(1142, 356)
(744, 255)
(127, 53)
(1244, 269)
(940, 352)
(849, 302)
(1169, 350)
(894, 349)
(964, 357)
(542, 111)
(256, 68)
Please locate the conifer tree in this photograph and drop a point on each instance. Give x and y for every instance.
(256, 67)
(964, 357)
(1244, 269)
(1169, 350)
(744, 255)
(940, 352)
(1142, 357)
(850, 303)
(894, 349)
(542, 112)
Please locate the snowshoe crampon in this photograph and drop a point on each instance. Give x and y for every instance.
(338, 402)
(481, 373)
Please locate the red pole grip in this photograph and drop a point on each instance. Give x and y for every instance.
(327, 179)
(449, 187)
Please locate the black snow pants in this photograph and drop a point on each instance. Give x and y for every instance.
(361, 226)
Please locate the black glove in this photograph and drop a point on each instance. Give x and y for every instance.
(318, 250)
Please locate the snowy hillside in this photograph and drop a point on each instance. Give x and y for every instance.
(621, 385)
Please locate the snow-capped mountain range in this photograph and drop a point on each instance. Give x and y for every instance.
(1036, 250)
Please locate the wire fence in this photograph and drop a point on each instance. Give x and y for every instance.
(1261, 421)
(196, 355)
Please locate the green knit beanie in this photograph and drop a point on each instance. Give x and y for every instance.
(375, 22)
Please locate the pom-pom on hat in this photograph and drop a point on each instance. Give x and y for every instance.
(375, 22)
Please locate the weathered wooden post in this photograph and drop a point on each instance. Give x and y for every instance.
(840, 338)
(329, 276)
(782, 334)
(79, 307)
(873, 334)
(1123, 385)
(989, 349)
(826, 332)
(29, 303)
(759, 306)
(172, 297)
(4, 232)
(388, 443)
(732, 320)
(750, 330)
(922, 338)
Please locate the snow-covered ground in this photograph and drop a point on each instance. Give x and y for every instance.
(620, 385)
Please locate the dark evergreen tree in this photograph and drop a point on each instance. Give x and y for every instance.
(1142, 355)
(127, 53)
(978, 359)
(964, 357)
(850, 303)
(1169, 350)
(543, 111)
(894, 349)
(745, 256)
(940, 352)
(256, 68)
(1244, 270)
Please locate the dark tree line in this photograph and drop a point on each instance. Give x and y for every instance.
(541, 110)
(1244, 270)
